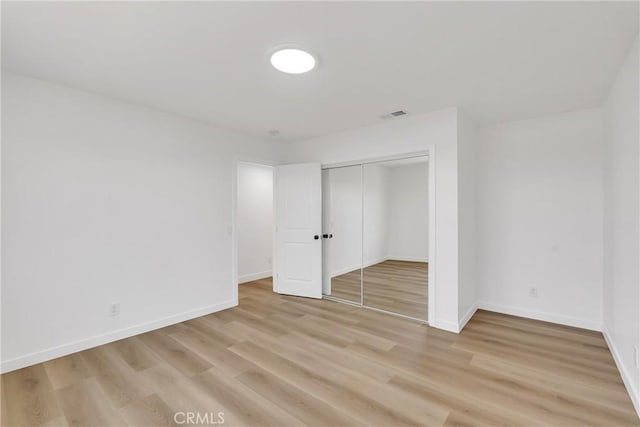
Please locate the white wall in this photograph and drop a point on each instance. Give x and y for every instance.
(255, 221)
(408, 224)
(539, 219)
(622, 231)
(407, 135)
(107, 202)
(467, 226)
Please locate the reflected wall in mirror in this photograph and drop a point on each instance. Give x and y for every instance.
(342, 232)
(395, 236)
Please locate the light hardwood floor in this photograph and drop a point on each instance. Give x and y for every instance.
(286, 361)
(395, 286)
(347, 286)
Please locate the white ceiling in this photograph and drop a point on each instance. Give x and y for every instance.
(498, 60)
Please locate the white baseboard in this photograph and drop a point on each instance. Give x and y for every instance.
(75, 346)
(541, 315)
(467, 316)
(445, 325)
(345, 270)
(407, 258)
(456, 327)
(254, 276)
(357, 267)
(374, 262)
(624, 373)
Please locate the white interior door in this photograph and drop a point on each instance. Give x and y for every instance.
(298, 220)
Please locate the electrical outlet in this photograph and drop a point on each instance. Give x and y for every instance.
(114, 309)
(533, 292)
(269, 260)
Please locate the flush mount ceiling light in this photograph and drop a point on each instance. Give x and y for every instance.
(293, 61)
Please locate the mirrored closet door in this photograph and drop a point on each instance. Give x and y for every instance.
(375, 229)
(395, 236)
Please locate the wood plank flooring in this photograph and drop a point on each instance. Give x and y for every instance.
(286, 361)
(347, 286)
(395, 286)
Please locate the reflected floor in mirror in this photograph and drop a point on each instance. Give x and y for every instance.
(347, 286)
(395, 286)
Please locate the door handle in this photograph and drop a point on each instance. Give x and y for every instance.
(316, 237)
(327, 236)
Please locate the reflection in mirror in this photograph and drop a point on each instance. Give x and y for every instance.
(395, 237)
(342, 226)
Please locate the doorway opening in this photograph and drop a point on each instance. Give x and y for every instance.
(254, 222)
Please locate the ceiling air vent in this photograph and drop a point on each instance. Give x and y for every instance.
(393, 114)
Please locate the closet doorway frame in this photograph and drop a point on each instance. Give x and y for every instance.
(232, 231)
(429, 152)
